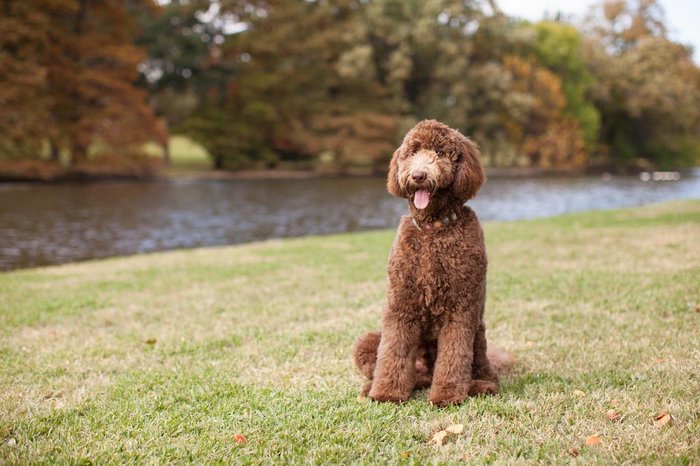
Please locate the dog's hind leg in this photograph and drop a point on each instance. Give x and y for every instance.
(366, 356)
(425, 362)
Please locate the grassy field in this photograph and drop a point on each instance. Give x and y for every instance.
(186, 156)
(243, 354)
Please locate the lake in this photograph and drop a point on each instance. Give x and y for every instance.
(43, 224)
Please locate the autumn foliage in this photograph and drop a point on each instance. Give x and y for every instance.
(69, 69)
(334, 84)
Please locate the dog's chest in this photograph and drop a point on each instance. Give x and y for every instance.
(435, 266)
(435, 270)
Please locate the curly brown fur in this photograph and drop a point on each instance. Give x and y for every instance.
(433, 332)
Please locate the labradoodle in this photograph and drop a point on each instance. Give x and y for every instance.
(433, 332)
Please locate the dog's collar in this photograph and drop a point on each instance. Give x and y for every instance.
(435, 224)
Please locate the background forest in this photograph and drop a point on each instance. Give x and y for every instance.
(99, 86)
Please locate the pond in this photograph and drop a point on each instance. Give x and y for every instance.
(57, 223)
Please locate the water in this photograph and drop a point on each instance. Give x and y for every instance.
(56, 223)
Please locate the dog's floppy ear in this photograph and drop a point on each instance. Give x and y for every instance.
(469, 174)
(392, 181)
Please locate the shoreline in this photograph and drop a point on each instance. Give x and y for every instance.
(224, 175)
(85, 260)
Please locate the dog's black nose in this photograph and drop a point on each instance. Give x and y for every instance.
(419, 177)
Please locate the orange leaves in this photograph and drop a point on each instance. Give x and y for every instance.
(240, 438)
(613, 415)
(455, 428)
(662, 419)
(441, 437)
(659, 420)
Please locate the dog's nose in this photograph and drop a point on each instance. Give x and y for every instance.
(419, 176)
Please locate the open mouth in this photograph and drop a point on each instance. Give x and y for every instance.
(421, 199)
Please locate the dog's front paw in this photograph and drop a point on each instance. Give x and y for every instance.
(392, 394)
(483, 387)
(448, 394)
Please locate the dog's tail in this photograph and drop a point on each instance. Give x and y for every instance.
(500, 359)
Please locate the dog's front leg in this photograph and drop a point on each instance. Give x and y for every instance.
(395, 373)
(452, 376)
(484, 379)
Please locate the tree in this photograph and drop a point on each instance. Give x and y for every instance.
(620, 24)
(559, 49)
(181, 60)
(24, 123)
(648, 90)
(92, 65)
(296, 94)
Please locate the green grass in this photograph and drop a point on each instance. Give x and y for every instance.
(165, 358)
(186, 156)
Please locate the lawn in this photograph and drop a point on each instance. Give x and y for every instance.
(186, 156)
(243, 354)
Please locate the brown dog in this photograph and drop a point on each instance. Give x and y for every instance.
(432, 329)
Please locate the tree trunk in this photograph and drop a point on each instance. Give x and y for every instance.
(166, 152)
(54, 152)
(218, 162)
(78, 154)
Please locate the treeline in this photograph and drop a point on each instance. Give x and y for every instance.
(336, 83)
(67, 83)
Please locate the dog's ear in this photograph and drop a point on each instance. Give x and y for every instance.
(392, 181)
(469, 174)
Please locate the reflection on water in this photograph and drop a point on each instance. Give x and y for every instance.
(49, 224)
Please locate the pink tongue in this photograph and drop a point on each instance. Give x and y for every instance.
(421, 199)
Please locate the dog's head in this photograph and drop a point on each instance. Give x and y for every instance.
(435, 160)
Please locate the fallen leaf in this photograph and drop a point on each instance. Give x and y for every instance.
(240, 438)
(150, 341)
(697, 308)
(613, 415)
(662, 419)
(455, 428)
(573, 452)
(593, 440)
(439, 438)
(404, 454)
(52, 394)
(579, 393)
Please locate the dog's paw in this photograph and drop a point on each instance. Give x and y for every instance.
(448, 394)
(483, 387)
(382, 394)
(385, 397)
(366, 389)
